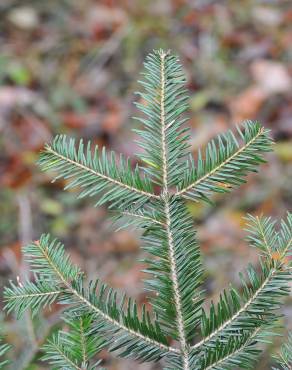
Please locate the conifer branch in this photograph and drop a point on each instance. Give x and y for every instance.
(162, 123)
(61, 353)
(4, 349)
(176, 291)
(235, 356)
(244, 309)
(261, 301)
(170, 242)
(96, 173)
(94, 309)
(226, 163)
(284, 357)
(165, 190)
(35, 295)
(142, 217)
(262, 235)
(285, 238)
(97, 317)
(274, 278)
(166, 102)
(50, 252)
(284, 252)
(76, 347)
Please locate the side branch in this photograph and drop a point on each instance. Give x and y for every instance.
(109, 179)
(243, 309)
(224, 163)
(35, 295)
(65, 357)
(82, 298)
(142, 217)
(233, 354)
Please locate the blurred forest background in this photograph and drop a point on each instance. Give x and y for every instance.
(71, 66)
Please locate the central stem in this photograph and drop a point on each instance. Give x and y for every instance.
(171, 246)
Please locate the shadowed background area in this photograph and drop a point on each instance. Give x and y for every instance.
(72, 67)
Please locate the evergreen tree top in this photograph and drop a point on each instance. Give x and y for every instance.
(177, 330)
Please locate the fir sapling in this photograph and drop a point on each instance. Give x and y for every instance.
(177, 330)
